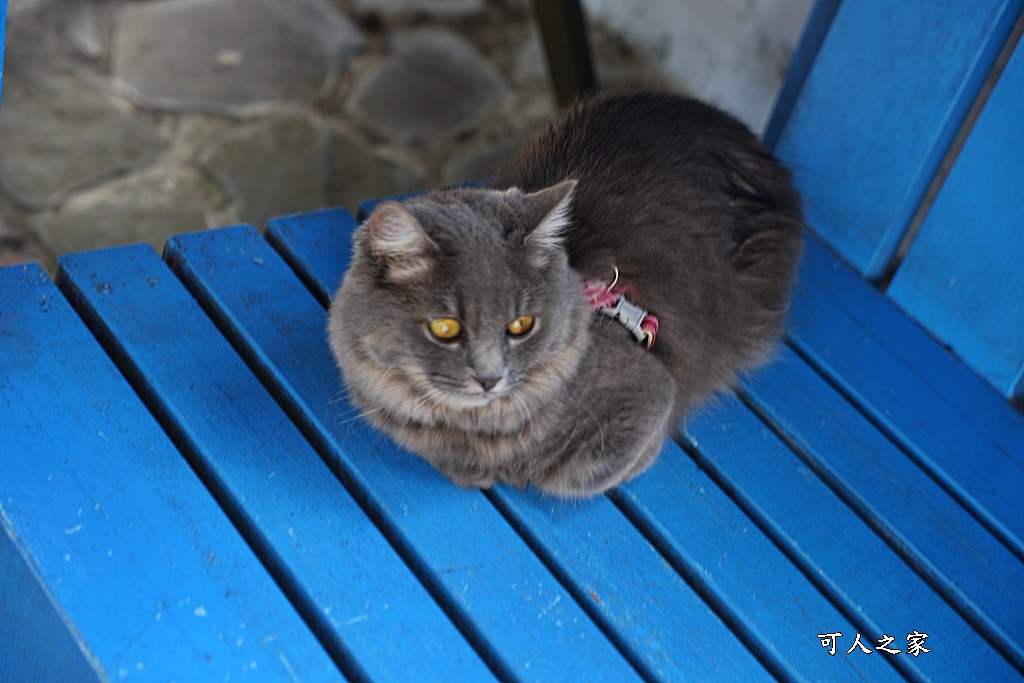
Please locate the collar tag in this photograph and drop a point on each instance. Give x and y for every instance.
(610, 300)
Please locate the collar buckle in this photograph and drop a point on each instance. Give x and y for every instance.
(610, 300)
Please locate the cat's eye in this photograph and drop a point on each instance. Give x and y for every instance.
(445, 329)
(520, 325)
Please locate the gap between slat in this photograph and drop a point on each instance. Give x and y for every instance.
(923, 567)
(271, 561)
(357, 490)
(946, 165)
(865, 411)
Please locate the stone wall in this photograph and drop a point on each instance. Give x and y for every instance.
(132, 120)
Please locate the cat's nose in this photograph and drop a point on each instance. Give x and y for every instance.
(487, 383)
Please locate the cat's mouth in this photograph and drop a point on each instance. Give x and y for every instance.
(479, 398)
(473, 395)
(475, 391)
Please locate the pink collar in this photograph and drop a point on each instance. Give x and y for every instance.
(609, 299)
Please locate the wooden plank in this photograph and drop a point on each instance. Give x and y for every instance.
(888, 91)
(667, 631)
(630, 589)
(973, 399)
(29, 616)
(723, 553)
(963, 276)
(876, 589)
(139, 564)
(769, 627)
(512, 608)
(958, 557)
(899, 400)
(346, 580)
(317, 247)
(814, 32)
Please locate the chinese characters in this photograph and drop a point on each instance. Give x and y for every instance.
(915, 643)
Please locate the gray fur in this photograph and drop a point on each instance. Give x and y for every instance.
(696, 215)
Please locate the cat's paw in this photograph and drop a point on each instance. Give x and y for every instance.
(471, 479)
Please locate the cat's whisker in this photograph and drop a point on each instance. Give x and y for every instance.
(341, 416)
(360, 415)
(519, 402)
(572, 434)
(431, 398)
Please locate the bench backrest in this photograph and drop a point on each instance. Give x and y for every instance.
(905, 134)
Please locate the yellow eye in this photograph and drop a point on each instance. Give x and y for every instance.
(521, 325)
(445, 328)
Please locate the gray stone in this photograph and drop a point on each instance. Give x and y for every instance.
(7, 233)
(25, 252)
(216, 54)
(436, 8)
(17, 8)
(288, 164)
(480, 163)
(56, 134)
(434, 83)
(356, 173)
(86, 26)
(145, 207)
(271, 168)
(18, 244)
(531, 63)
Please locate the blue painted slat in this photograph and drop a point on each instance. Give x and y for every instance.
(370, 611)
(841, 554)
(723, 552)
(319, 234)
(800, 64)
(975, 401)
(513, 609)
(628, 587)
(316, 245)
(963, 276)
(144, 570)
(984, 476)
(888, 92)
(959, 557)
(28, 617)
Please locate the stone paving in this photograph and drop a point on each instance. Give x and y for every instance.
(132, 120)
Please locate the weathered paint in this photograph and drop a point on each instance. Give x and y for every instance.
(141, 566)
(455, 540)
(961, 559)
(952, 423)
(963, 276)
(888, 91)
(373, 615)
(603, 559)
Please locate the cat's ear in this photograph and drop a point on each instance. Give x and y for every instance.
(399, 243)
(551, 208)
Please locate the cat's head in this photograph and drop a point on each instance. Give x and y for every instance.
(460, 301)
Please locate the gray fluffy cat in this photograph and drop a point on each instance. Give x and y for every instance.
(486, 358)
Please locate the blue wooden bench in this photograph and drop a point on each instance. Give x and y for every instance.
(186, 495)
